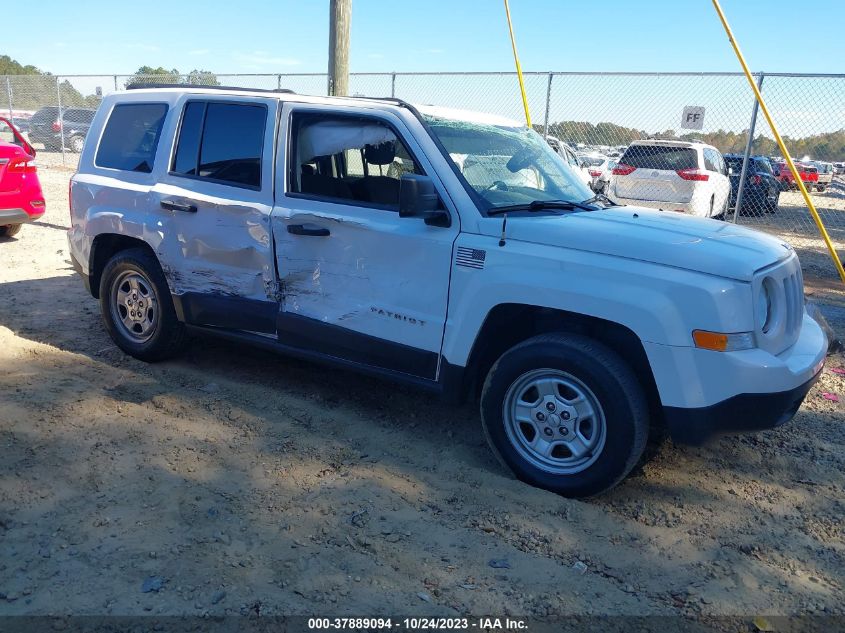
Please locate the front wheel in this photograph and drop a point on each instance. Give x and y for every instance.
(565, 413)
(137, 309)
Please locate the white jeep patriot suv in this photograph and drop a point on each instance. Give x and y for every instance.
(452, 251)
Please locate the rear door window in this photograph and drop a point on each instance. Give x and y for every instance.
(665, 157)
(221, 142)
(131, 135)
(711, 160)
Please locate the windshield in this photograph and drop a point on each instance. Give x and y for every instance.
(505, 165)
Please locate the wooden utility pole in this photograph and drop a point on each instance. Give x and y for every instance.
(340, 19)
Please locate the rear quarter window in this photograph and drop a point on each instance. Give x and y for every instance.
(667, 157)
(131, 135)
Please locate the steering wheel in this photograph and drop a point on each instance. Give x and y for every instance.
(498, 185)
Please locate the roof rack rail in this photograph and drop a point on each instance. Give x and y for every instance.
(141, 86)
(395, 100)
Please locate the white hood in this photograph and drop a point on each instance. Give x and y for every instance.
(699, 244)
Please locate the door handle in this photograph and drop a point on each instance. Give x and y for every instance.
(308, 229)
(178, 206)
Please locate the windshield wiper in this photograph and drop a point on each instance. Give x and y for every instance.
(539, 205)
(600, 197)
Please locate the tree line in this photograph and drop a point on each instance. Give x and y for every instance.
(32, 88)
(829, 146)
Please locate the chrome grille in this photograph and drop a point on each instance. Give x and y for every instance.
(793, 290)
(788, 305)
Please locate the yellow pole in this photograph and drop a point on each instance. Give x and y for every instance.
(833, 254)
(518, 68)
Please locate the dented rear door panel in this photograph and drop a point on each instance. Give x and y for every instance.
(216, 247)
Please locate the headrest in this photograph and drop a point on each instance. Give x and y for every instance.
(381, 154)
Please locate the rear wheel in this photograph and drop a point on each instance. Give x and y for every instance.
(137, 309)
(565, 413)
(10, 229)
(723, 213)
(772, 203)
(76, 143)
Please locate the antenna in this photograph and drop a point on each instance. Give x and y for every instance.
(504, 226)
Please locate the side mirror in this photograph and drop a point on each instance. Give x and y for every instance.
(418, 199)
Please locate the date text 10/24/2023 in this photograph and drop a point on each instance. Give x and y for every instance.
(418, 624)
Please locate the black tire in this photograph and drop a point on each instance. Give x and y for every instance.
(724, 212)
(75, 144)
(820, 189)
(612, 382)
(168, 336)
(10, 230)
(772, 205)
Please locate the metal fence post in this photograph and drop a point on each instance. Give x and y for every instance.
(393, 85)
(278, 82)
(748, 145)
(61, 118)
(115, 83)
(548, 103)
(9, 92)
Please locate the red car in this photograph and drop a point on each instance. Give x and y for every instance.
(21, 199)
(809, 176)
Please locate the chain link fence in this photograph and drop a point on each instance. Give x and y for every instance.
(639, 137)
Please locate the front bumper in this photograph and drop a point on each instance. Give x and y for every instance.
(745, 413)
(707, 393)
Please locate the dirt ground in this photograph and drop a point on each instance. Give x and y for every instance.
(234, 481)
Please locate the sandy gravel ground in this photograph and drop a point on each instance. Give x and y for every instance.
(239, 482)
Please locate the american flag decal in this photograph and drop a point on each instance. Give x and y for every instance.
(470, 257)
